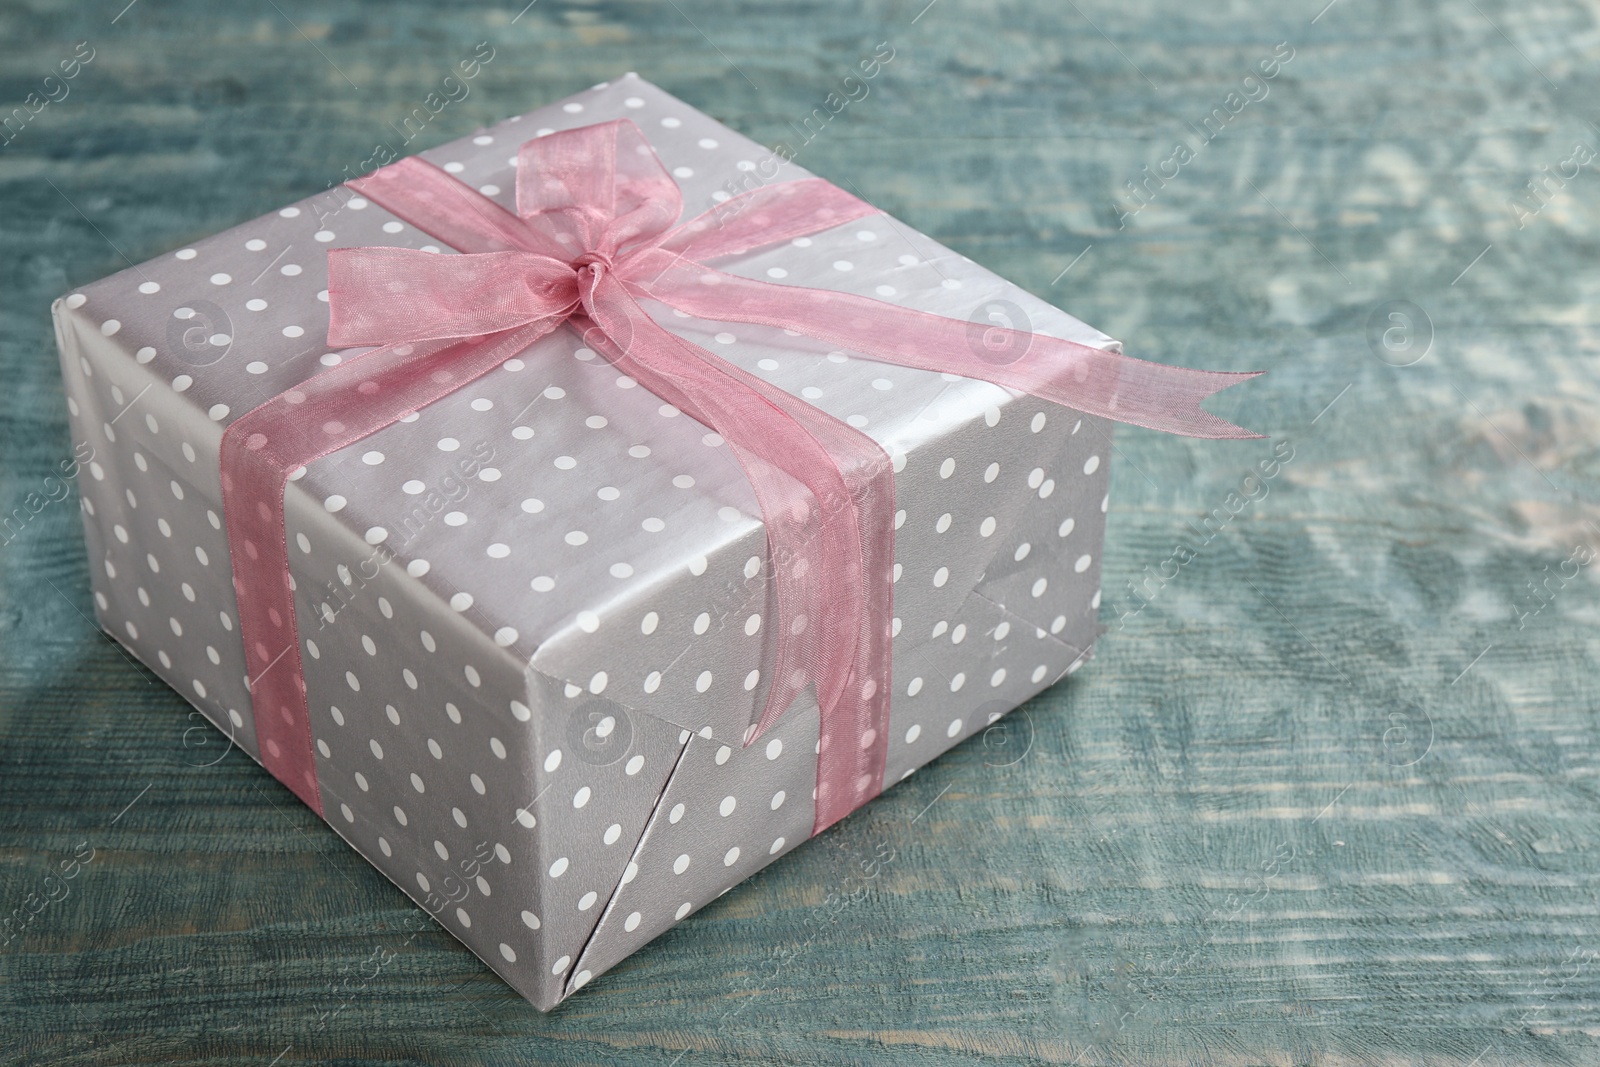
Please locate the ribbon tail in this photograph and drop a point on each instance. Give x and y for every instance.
(1090, 380)
(826, 493)
(260, 449)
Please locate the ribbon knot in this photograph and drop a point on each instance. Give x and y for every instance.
(598, 260)
(825, 489)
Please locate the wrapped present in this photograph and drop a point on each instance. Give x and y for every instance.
(574, 552)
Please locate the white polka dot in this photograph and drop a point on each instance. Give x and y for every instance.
(731, 857)
(954, 728)
(680, 864)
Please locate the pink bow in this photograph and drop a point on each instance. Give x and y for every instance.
(595, 232)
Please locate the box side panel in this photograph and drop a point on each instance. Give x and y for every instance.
(727, 812)
(1030, 621)
(158, 556)
(504, 802)
(1046, 567)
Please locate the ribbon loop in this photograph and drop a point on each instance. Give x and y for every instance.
(427, 296)
(596, 189)
(595, 231)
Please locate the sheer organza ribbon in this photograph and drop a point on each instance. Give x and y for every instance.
(595, 232)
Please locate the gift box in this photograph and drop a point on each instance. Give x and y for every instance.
(539, 615)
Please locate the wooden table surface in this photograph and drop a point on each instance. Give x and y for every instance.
(1330, 797)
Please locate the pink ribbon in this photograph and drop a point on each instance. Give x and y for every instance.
(594, 233)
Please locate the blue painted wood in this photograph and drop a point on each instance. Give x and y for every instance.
(1328, 794)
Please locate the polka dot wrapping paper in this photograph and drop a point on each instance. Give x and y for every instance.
(533, 615)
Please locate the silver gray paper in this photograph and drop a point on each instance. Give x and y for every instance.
(532, 717)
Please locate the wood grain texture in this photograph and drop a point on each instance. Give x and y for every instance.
(1324, 800)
